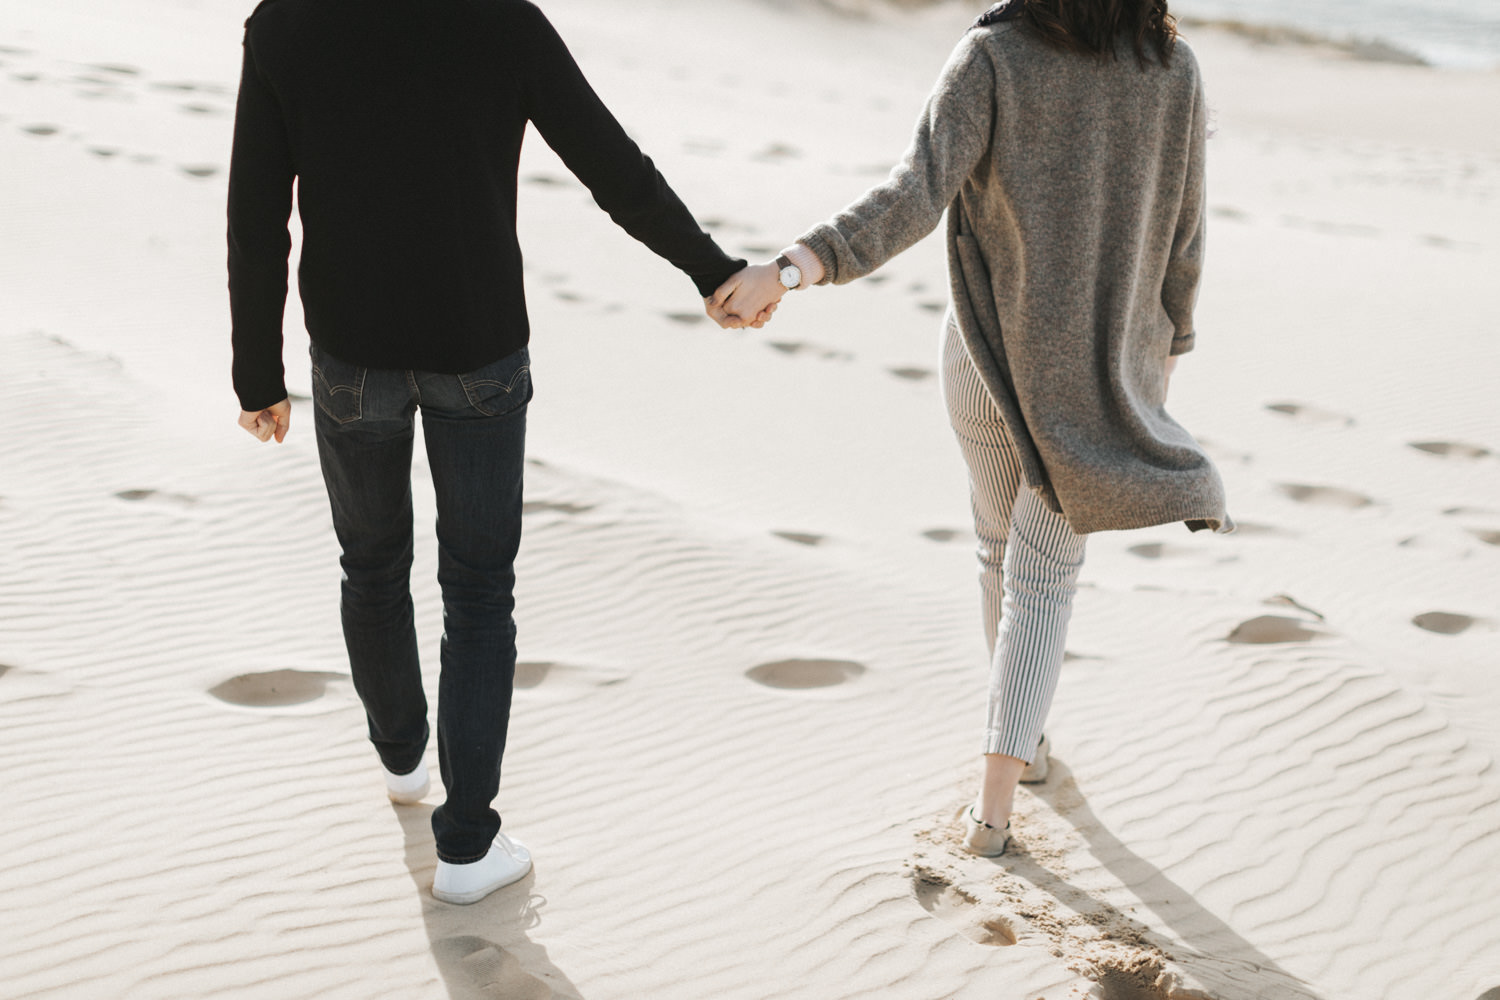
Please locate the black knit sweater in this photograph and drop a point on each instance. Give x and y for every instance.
(401, 123)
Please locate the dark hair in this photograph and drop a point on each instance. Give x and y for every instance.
(1095, 26)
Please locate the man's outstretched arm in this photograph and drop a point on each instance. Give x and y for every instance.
(590, 141)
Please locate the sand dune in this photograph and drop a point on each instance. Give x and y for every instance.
(751, 683)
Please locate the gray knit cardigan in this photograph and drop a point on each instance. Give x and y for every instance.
(1075, 199)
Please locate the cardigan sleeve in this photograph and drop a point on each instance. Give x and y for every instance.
(260, 203)
(590, 141)
(1179, 290)
(952, 136)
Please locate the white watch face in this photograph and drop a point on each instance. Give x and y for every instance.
(791, 276)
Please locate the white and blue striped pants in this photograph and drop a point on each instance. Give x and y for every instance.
(1029, 560)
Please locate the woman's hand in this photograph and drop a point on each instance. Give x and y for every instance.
(749, 298)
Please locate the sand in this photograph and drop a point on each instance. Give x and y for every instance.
(752, 675)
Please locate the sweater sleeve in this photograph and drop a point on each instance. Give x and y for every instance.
(1179, 291)
(260, 202)
(952, 136)
(623, 180)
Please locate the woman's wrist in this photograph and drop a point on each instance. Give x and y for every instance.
(807, 262)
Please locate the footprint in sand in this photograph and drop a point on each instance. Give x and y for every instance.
(1268, 629)
(1228, 212)
(554, 506)
(473, 968)
(961, 911)
(200, 172)
(805, 675)
(41, 131)
(943, 534)
(1250, 529)
(777, 152)
(912, 374)
(1325, 496)
(1311, 414)
(136, 496)
(702, 147)
(686, 318)
(1486, 535)
(275, 688)
(5, 668)
(1447, 243)
(801, 537)
(1136, 976)
(933, 307)
(191, 88)
(1158, 550)
(1450, 449)
(561, 676)
(822, 353)
(1445, 622)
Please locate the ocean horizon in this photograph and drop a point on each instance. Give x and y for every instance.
(1449, 34)
(1452, 34)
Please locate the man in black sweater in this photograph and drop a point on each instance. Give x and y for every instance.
(401, 124)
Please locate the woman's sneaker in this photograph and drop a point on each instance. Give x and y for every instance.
(507, 861)
(982, 839)
(1036, 771)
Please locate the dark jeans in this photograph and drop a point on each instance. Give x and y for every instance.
(475, 430)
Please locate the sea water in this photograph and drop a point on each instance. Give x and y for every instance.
(1456, 34)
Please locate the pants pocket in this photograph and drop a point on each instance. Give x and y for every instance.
(338, 387)
(500, 387)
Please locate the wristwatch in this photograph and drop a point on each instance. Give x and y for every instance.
(791, 274)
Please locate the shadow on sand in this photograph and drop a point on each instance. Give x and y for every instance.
(482, 950)
(1220, 961)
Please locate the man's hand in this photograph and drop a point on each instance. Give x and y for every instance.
(749, 298)
(274, 421)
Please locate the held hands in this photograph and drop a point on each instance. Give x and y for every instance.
(274, 421)
(749, 298)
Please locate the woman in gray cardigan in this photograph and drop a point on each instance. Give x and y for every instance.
(1065, 141)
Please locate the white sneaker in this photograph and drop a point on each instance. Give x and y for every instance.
(982, 839)
(1036, 771)
(408, 789)
(507, 861)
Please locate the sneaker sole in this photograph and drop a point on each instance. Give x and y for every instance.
(475, 895)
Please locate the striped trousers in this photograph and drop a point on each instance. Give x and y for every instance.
(1029, 560)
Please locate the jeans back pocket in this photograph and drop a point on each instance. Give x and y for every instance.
(338, 386)
(501, 386)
